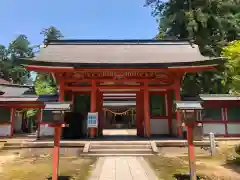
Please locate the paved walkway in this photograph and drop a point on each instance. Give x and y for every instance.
(119, 132)
(122, 168)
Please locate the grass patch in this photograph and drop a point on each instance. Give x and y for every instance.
(174, 168)
(225, 164)
(40, 168)
(166, 167)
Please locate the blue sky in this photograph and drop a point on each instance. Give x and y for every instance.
(77, 19)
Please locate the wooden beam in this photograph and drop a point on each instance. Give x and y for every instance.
(116, 87)
(193, 68)
(201, 67)
(49, 68)
(103, 80)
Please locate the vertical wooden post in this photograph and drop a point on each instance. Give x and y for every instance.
(12, 118)
(39, 118)
(178, 98)
(146, 110)
(141, 113)
(169, 108)
(100, 112)
(224, 119)
(138, 113)
(92, 131)
(57, 137)
(191, 153)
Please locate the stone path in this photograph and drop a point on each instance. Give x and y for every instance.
(122, 168)
(119, 131)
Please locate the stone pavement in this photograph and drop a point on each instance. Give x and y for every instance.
(122, 168)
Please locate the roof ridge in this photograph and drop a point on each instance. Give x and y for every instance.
(114, 41)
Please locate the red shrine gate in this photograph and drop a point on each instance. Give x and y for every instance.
(140, 81)
(143, 67)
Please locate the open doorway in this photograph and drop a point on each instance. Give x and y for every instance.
(120, 118)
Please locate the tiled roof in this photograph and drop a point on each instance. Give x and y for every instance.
(3, 81)
(115, 53)
(188, 105)
(27, 98)
(16, 90)
(222, 97)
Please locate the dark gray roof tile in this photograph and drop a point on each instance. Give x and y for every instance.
(119, 52)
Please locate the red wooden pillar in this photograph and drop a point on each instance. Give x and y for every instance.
(39, 118)
(92, 131)
(57, 137)
(191, 153)
(12, 118)
(100, 112)
(139, 113)
(178, 98)
(169, 108)
(224, 119)
(146, 110)
(56, 149)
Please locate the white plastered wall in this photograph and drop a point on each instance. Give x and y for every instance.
(233, 128)
(46, 131)
(5, 130)
(159, 126)
(214, 128)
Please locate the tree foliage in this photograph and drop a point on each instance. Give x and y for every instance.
(232, 52)
(18, 48)
(51, 33)
(209, 24)
(44, 83)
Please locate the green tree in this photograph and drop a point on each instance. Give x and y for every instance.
(10, 71)
(232, 52)
(19, 48)
(209, 24)
(5, 64)
(44, 83)
(51, 33)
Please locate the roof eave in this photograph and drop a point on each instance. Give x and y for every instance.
(204, 62)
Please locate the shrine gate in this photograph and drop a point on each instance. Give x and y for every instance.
(153, 70)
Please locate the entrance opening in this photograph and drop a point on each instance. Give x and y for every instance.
(77, 119)
(119, 115)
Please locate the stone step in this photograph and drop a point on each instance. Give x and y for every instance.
(120, 151)
(125, 146)
(41, 144)
(11, 147)
(117, 154)
(121, 143)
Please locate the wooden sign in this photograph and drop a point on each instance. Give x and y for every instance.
(121, 75)
(92, 121)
